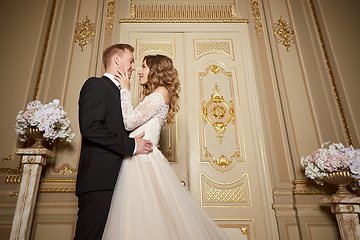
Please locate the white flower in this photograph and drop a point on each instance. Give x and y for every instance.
(330, 158)
(49, 118)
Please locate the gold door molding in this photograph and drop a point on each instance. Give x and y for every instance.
(218, 110)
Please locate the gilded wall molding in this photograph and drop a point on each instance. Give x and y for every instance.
(332, 77)
(84, 33)
(57, 190)
(13, 175)
(13, 179)
(109, 17)
(10, 158)
(284, 33)
(64, 169)
(14, 194)
(165, 12)
(298, 182)
(257, 17)
(57, 180)
(236, 193)
(312, 192)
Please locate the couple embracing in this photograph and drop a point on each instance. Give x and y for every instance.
(126, 188)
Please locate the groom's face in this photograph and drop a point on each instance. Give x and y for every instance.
(127, 62)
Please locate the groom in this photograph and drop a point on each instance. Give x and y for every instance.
(104, 142)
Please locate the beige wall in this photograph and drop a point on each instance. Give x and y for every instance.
(299, 108)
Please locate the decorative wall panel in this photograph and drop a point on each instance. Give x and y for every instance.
(236, 193)
(155, 46)
(207, 46)
(182, 12)
(85, 32)
(220, 133)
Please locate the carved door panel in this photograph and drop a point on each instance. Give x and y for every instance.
(223, 159)
(173, 142)
(213, 145)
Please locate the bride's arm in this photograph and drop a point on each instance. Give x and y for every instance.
(147, 108)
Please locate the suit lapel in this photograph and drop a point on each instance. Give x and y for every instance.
(111, 84)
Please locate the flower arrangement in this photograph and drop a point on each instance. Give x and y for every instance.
(49, 118)
(330, 158)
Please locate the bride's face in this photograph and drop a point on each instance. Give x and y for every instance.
(143, 74)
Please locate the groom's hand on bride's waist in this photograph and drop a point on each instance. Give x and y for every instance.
(143, 146)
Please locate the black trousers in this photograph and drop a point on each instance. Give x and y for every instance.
(92, 214)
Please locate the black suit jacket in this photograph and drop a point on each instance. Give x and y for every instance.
(104, 138)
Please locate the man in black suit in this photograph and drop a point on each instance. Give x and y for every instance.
(104, 142)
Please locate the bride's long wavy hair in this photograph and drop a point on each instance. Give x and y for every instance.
(163, 73)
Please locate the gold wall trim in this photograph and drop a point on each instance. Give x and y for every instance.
(332, 77)
(297, 182)
(57, 190)
(109, 17)
(256, 16)
(57, 180)
(13, 175)
(43, 54)
(312, 192)
(10, 158)
(163, 12)
(64, 169)
(13, 179)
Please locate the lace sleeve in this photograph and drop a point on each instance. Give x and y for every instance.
(147, 109)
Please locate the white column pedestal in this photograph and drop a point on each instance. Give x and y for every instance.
(347, 209)
(33, 160)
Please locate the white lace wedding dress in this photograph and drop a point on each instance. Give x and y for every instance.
(149, 202)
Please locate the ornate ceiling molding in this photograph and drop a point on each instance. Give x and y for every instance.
(162, 12)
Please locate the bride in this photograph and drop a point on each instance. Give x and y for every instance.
(149, 202)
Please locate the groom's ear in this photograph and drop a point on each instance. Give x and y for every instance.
(116, 59)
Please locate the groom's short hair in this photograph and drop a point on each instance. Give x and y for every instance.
(116, 48)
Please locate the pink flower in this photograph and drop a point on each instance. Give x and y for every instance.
(316, 156)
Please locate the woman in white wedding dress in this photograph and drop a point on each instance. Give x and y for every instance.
(149, 202)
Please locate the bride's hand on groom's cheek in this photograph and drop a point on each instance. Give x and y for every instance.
(123, 79)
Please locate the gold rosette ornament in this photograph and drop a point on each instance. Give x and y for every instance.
(218, 112)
